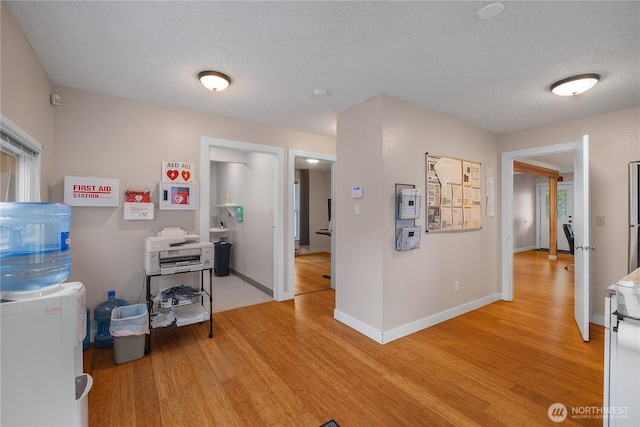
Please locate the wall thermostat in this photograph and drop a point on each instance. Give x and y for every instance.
(356, 192)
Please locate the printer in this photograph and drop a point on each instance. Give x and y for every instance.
(173, 250)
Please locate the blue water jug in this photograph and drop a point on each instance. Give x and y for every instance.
(87, 337)
(102, 314)
(34, 248)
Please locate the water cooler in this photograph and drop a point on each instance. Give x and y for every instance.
(43, 383)
(42, 320)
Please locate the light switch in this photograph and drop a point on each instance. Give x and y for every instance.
(356, 210)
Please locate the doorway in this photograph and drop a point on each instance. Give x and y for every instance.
(582, 257)
(274, 207)
(310, 255)
(564, 214)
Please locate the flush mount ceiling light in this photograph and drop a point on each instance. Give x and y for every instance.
(490, 11)
(312, 160)
(575, 85)
(214, 81)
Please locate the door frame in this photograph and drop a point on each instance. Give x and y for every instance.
(280, 286)
(291, 176)
(507, 159)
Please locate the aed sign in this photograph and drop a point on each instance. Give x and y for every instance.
(90, 191)
(177, 172)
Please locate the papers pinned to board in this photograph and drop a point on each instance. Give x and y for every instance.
(454, 194)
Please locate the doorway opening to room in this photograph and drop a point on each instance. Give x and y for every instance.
(510, 258)
(241, 202)
(311, 183)
(564, 214)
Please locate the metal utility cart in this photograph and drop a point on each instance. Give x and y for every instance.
(158, 307)
(173, 251)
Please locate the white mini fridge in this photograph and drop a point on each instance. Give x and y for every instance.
(43, 383)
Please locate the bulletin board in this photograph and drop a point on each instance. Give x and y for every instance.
(453, 194)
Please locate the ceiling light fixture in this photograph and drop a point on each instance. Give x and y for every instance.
(214, 81)
(575, 85)
(312, 161)
(490, 11)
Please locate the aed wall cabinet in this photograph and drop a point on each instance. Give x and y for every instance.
(178, 196)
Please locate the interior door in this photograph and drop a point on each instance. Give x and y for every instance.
(565, 215)
(582, 237)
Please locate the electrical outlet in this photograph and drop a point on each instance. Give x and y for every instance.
(600, 220)
(456, 287)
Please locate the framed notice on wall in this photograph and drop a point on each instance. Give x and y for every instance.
(453, 199)
(91, 191)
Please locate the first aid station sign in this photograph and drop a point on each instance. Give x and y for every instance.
(90, 191)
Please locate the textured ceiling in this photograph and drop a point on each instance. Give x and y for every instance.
(491, 73)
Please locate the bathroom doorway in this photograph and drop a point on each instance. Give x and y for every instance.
(273, 208)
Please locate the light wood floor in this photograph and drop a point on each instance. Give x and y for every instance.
(292, 364)
(309, 269)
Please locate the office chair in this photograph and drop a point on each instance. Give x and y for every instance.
(568, 232)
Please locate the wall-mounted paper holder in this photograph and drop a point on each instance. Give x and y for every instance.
(407, 201)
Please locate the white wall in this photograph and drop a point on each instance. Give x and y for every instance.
(379, 288)
(359, 239)
(524, 209)
(113, 137)
(25, 91)
(614, 139)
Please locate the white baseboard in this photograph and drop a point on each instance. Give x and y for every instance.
(526, 248)
(410, 328)
(421, 324)
(308, 250)
(359, 326)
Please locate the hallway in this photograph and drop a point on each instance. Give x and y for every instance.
(293, 364)
(311, 271)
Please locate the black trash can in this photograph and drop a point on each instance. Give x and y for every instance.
(221, 255)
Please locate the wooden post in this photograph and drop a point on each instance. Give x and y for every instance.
(553, 218)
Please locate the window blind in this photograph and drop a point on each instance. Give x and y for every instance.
(11, 145)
